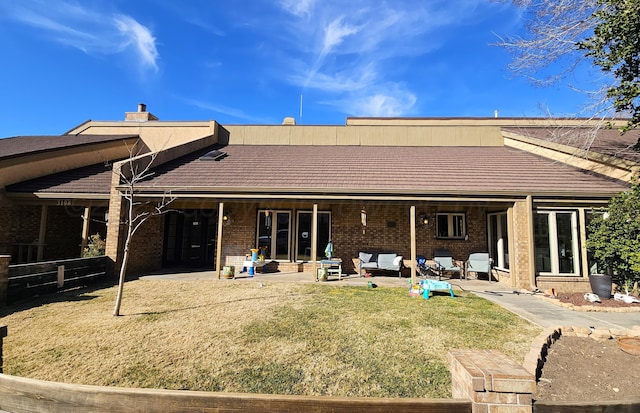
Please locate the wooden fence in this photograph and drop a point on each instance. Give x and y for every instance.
(26, 280)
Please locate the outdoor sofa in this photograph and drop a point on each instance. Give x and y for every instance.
(379, 261)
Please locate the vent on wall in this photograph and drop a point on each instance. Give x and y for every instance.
(214, 155)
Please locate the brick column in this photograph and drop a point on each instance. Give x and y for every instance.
(3, 334)
(113, 249)
(4, 278)
(521, 246)
(493, 382)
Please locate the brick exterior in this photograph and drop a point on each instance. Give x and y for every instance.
(20, 224)
(520, 247)
(387, 229)
(63, 234)
(4, 283)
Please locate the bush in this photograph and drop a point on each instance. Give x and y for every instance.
(95, 248)
(614, 236)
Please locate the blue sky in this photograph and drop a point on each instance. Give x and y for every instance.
(250, 61)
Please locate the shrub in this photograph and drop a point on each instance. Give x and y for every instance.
(614, 236)
(95, 247)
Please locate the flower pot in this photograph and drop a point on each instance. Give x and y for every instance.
(229, 271)
(601, 285)
(630, 345)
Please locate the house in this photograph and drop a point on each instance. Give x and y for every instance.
(519, 188)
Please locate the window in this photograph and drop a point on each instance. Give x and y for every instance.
(556, 242)
(499, 240)
(274, 228)
(304, 234)
(450, 225)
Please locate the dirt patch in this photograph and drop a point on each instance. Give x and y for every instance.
(583, 369)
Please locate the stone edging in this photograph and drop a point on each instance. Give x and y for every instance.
(589, 308)
(535, 359)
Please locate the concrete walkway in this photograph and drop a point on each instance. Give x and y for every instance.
(526, 305)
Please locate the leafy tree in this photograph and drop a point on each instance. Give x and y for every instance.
(615, 47)
(563, 34)
(614, 236)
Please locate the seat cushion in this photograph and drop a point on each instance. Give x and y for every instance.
(386, 262)
(364, 257)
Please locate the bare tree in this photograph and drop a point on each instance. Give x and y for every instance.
(134, 171)
(562, 36)
(554, 30)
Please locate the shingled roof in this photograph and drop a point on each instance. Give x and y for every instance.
(379, 169)
(93, 179)
(24, 145)
(605, 141)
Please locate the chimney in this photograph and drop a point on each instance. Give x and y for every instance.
(289, 120)
(140, 116)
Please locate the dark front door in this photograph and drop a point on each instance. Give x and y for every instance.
(190, 238)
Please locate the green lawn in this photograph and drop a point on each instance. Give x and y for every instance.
(283, 338)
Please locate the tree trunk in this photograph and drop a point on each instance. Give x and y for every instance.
(123, 270)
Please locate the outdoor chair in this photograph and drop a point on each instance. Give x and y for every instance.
(478, 262)
(443, 262)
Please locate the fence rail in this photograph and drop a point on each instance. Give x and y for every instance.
(42, 277)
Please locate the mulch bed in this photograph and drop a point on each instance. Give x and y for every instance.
(577, 299)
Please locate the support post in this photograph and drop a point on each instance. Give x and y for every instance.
(42, 234)
(86, 219)
(314, 241)
(4, 278)
(412, 220)
(219, 239)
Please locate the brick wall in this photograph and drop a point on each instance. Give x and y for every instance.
(19, 224)
(63, 232)
(387, 229)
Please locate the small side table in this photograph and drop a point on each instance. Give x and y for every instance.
(333, 266)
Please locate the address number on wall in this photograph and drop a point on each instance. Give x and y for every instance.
(63, 202)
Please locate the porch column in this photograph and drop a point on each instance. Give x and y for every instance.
(86, 218)
(531, 242)
(219, 239)
(314, 240)
(412, 223)
(42, 234)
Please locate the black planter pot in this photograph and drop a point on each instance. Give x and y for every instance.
(601, 285)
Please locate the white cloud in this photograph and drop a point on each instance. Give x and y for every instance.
(341, 48)
(299, 8)
(383, 105)
(225, 110)
(140, 37)
(334, 34)
(90, 31)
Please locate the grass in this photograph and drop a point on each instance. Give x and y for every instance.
(282, 338)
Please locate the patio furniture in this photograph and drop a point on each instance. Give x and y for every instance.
(443, 262)
(380, 261)
(478, 262)
(431, 285)
(333, 266)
